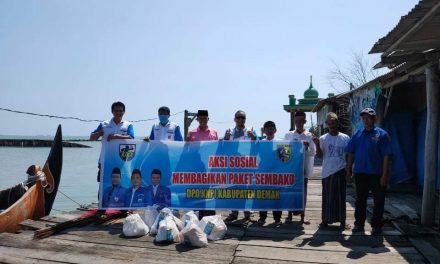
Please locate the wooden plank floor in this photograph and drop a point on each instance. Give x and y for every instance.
(251, 243)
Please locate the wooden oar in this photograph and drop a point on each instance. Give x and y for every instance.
(97, 216)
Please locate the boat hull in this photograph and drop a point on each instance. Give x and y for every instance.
(29, 206)
(38, 200)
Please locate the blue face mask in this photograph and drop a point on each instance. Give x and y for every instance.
(163, 118)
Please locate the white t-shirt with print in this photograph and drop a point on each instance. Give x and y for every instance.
(332, 148)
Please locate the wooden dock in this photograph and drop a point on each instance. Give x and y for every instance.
(244, 243)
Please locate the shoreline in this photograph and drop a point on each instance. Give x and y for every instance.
(38, 143)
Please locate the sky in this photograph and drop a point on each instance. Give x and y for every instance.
(74, 58)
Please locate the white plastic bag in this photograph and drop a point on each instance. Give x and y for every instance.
(213, 226)
(150, 215)
(194, 236)
(190, 217)
(161, 216)
(167, 231)
(178, 222)
(134, 226)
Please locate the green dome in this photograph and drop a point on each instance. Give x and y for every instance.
(311, 92)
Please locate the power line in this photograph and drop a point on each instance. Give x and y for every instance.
(75, 118)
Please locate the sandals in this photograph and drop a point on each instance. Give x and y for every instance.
(345, 226)
(231, 218)
(261, 221)
(323, 225)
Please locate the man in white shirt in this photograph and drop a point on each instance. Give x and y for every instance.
(300, 134)
(331, 148)
(239, 132)
(115, 128)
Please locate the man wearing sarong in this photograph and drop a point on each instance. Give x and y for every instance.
(301, 135)
(330, 147)
(203, 133)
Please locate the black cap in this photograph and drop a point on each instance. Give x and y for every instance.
(300, 113)
(202, 113)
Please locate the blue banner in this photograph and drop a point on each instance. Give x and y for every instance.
(217, 175)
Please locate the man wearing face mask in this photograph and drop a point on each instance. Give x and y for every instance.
(165, 130)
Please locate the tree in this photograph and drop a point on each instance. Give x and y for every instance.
(358, 72)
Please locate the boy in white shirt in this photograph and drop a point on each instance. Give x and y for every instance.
(269, 129)
(300, 134)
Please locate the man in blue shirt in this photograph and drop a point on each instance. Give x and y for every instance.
(114, 195)
(370, 151)
(137, 196)
(161, 194)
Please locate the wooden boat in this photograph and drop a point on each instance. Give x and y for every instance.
(38, 199)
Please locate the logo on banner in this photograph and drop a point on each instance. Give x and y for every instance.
(284, 152)
(127, 151)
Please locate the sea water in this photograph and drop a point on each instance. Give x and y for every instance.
(78, 177)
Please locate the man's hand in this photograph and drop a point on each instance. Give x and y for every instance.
(316, 140)
(110, 137)
(100, 133)
(349, 178)
(384, 180)
(227, 135)
(306, 145)
(251, 134)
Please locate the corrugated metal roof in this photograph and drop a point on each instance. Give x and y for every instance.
(405, 24)
(369, 84)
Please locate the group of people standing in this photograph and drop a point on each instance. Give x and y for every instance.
(364, 157)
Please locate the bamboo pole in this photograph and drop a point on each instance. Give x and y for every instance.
(187, 120)
(431, 144)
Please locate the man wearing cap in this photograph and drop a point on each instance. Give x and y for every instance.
(330, 147)
(203, 133)
(301, 135)
(239, 132)
(165, 130)
(369, 150)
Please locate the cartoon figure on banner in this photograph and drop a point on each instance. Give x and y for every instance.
(284, 152)
(127, 151)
